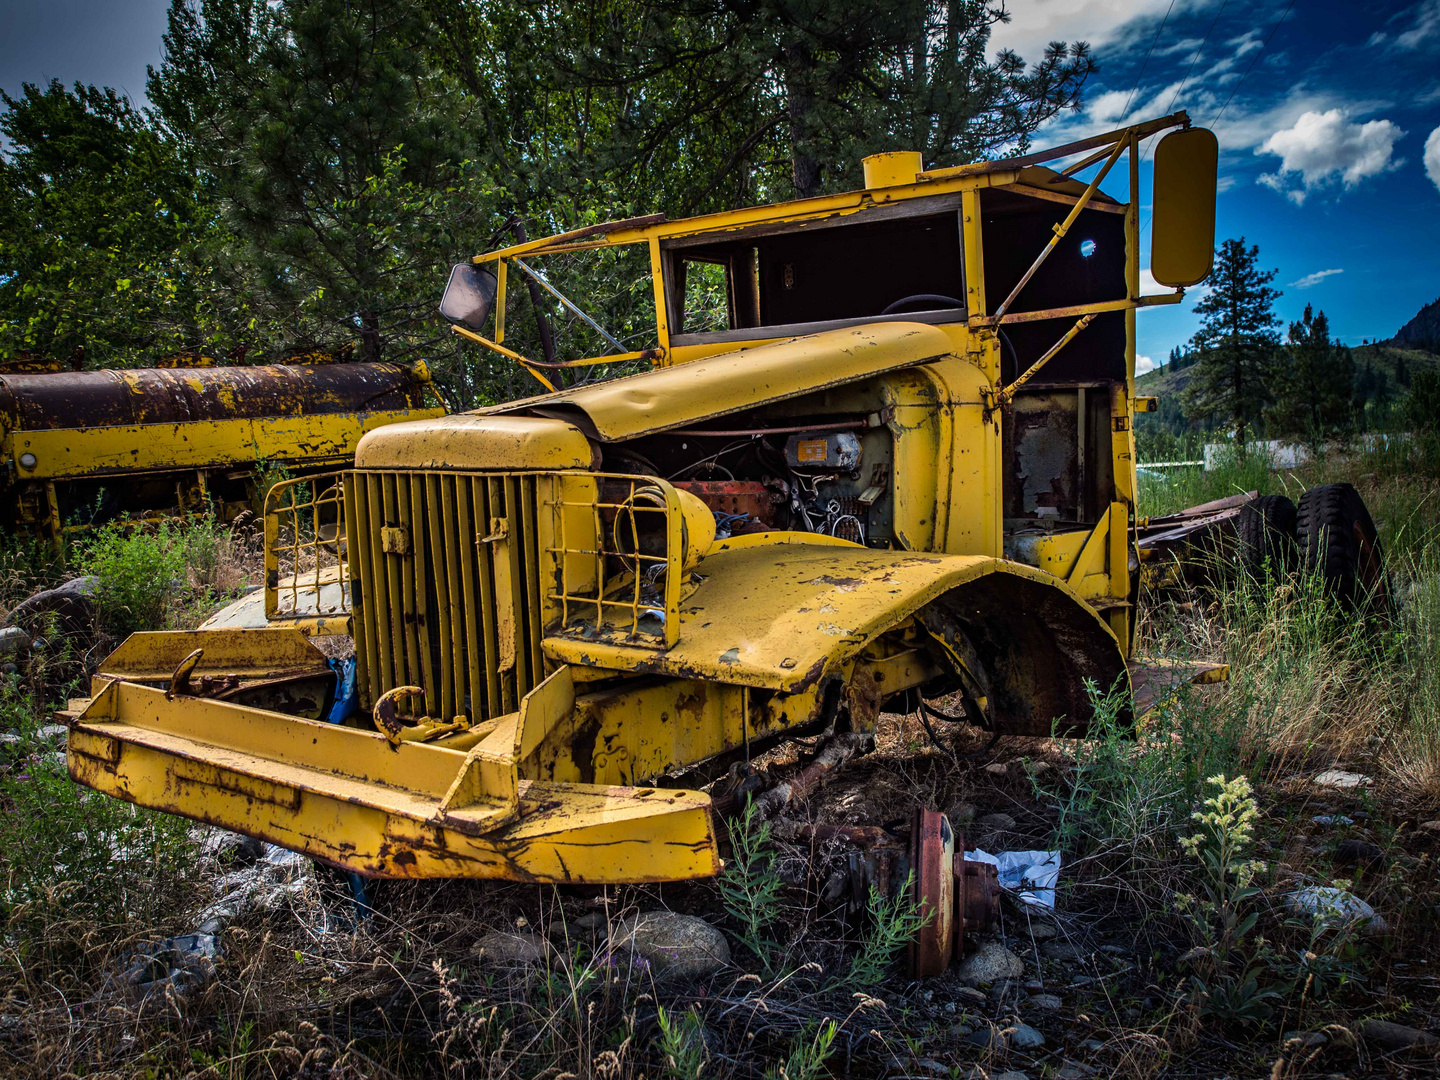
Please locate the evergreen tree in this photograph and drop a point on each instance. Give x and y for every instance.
(1236, 343)
(339, 158)
(1312, 381)
(100, 219)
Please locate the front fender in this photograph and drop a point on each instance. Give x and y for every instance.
(784, 616)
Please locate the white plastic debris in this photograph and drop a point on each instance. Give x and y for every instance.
(1030, 875)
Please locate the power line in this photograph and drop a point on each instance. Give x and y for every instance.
(1203, 42)
(1251, 68)
(1146, 62)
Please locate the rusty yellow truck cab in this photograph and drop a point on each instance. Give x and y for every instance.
(893, 462)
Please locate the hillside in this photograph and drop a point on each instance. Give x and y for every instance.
(1423, 331)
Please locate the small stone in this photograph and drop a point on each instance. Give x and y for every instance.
(53, 732)
(676, 946)
(1332, 819)
(1306, 1039)
(1093, 1045)
(997, 768)
(1392, 1038)
(997, 823)
(1012, 1074)
(1115, 950)
(990, 963)
(1339, 778)
(969, 995)
(503, 947)
(1034, 986)
(1061, 950)
(9, 738)
(590, 922)
(988, 1037)
(1354, 852)
(1431, 826)
(1025, 1037)
(1048, 1002)
(232, 847)
(1073, 1070)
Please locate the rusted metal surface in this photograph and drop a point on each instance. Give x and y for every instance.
(977, 896)
(757, 500)
(932, 861)
(838, 751)
(83, 399)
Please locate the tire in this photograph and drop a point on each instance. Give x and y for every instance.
(1265, 535)
(1339, 543)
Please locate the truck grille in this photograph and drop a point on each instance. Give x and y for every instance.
(447, 587)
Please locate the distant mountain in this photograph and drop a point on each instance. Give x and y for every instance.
(1421, 332)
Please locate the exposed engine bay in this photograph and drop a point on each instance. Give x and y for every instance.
(826, 474)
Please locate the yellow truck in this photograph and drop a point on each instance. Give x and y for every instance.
(893, 462)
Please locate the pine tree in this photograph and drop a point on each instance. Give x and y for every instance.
(1312, 380)
(1236, 343)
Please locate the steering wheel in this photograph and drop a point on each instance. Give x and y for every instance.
(934, 300)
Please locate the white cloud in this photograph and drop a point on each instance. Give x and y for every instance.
(1035, 23)
(1323, 147)
(1143, 364)
(1314, 279)
(1425, 27)
(1432, 157)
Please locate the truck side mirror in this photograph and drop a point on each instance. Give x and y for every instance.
(1182, 234)
(469, 296)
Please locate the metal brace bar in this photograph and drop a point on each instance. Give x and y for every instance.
(544, 284)
(1007, 393)
(1060, 230)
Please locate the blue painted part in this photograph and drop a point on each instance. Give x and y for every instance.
(347, 694)
(358, 893)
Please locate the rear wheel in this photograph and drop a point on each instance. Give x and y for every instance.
(1339, 542)
(1265, 531)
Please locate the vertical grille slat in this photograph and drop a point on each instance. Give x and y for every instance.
(394, 577)
(485, 618)
(456, 605)
(418, 543)
(441, 588)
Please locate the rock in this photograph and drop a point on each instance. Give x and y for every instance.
(1306, 1039)
(1025, 1037)
(1061, 950)
(53, 733)
(675, 946)
(1116, 950)
(1013, 1074)
(9, 738)
(1339, 778)
(1334, 906)
(1431, 827)
(591, 922)
(1393, 1038)
(988, 1037)
(1354, 852)
(996, 823)
(990, 963)
(72, 603)
(969, 995)
(1332, 819)
(503, 947)
(1093, 1045)
(1073, 1070)
(997, 768)
(1048, 1002)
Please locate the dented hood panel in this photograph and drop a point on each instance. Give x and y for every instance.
(476, 441)
(686, 393)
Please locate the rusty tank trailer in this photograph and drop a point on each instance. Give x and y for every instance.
(81, 447)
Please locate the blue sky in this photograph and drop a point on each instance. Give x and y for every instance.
(1323, 120)
(1323, 110)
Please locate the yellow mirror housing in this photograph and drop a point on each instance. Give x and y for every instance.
(1182, 235)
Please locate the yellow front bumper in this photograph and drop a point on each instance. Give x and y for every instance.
(349, 798)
